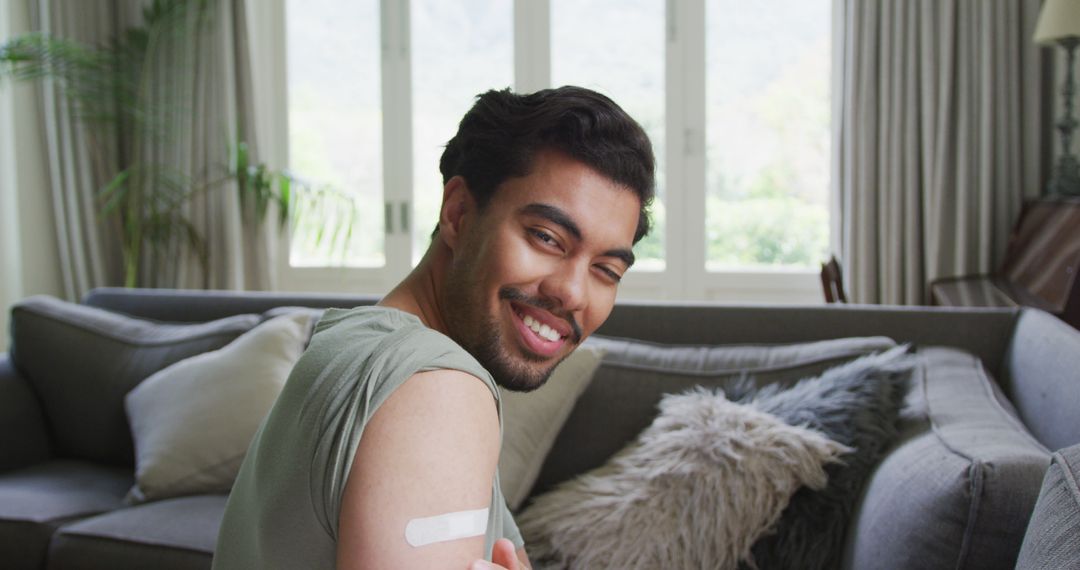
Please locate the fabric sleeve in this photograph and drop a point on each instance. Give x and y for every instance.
(509, 527)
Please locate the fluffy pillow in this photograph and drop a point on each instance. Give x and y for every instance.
(193, 422)
(532, 420)
(857, 404)
(695, 490)
(621, 400)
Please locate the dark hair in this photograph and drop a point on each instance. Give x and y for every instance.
(498, 138)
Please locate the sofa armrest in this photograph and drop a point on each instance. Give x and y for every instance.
(1040, 377)
(24, 438)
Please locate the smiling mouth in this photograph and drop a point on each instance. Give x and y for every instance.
(543, 331)
(537, 338)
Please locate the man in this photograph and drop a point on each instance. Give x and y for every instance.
(381, 451)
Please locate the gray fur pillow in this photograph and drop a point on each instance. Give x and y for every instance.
(856, 404)
(695, 490)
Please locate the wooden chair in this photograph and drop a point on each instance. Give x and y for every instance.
(1040, 267)
(832, 281)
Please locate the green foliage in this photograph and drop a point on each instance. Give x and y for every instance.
(322, 215)
(767, 230)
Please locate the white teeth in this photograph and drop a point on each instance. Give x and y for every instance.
(541, 330)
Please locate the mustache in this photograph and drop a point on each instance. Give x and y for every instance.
(518, 296)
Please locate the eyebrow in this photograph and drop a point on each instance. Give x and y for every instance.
(560, 218)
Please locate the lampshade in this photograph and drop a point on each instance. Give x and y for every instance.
(1058, 19)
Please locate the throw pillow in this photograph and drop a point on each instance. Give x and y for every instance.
(634, 375)
(532, 420)
(193, 422)
(81, 361)
(857, 404)
(695, 490)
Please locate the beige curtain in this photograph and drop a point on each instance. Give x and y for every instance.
(79, 162)
(211, 100)
(202, 87)
(940, 132)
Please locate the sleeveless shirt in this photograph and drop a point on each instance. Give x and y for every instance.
(283, 509)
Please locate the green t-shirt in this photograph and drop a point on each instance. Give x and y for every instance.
(283, 510)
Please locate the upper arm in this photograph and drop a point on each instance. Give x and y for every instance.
(431, 448)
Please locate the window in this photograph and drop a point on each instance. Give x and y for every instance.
(734, 96)
(460, 48)
(623, 59)
(767, 133)
(335, 123)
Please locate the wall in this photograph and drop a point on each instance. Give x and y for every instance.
(28, 251)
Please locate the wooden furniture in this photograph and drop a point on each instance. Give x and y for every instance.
(832, 282)
(1040, 267)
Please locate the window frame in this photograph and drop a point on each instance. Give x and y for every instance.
(685, 276)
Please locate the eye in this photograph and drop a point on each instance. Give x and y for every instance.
(610, 273)
(543, 237)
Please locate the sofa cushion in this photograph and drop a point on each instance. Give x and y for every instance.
(35, 500)
(621, 400)
(532, 420)
(193, 421)
(171, 534)
(958, 489)
(1053, 534)
(81, 361)
(695, 490)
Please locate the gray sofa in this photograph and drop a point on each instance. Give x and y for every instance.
(996, 393)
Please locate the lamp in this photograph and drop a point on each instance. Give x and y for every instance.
(1059, 23)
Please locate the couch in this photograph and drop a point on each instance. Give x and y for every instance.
(995, 395)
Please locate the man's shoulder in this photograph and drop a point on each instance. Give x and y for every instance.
(372, 328)
(386, 337)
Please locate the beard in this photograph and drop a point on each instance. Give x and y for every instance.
(489, 351)
(478, 333)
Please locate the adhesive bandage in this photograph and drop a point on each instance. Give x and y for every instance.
(451, 526)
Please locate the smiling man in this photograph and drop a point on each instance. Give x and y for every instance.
(381, 451)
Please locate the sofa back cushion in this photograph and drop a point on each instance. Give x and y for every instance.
(82, 361)
(622, 398)
(958, 489)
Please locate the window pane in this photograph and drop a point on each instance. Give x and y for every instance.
(460, 48)
(617, 47)
(335, 126)
(767, 132)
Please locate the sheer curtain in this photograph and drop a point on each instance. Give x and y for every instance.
(940, 132)
(78, 162)
(216, 91)
(210, 107)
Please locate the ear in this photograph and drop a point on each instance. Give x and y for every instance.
(457, 207)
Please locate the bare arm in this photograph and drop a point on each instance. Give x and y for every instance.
(430, 449)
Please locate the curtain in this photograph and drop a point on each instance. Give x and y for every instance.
(200, 88)
(939, 134)
(204, 80)
(79, 160)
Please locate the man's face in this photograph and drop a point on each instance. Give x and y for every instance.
(536, 272)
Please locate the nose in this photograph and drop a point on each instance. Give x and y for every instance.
(568, 285)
